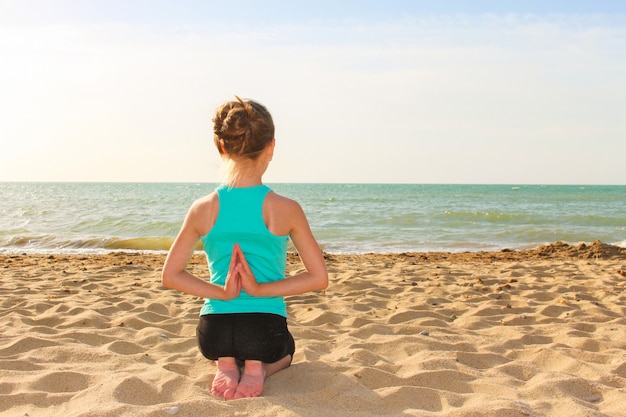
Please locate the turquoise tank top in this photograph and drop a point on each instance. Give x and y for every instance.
(240, 220)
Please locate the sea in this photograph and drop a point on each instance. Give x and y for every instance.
(88, 218)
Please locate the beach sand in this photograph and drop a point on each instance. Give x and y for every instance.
(510, 333)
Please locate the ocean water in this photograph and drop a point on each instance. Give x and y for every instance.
(345, 218)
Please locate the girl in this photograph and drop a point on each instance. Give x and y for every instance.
(244, 228)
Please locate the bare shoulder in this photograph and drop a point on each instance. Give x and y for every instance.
(208, 202)
(282, 215)
(203, 213)
(283, 204)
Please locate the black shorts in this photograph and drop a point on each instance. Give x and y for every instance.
(245, 336)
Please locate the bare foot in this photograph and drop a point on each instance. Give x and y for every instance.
(251, 383)
(254, 374)
(226, 379)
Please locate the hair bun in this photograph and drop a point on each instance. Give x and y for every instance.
(242, 128)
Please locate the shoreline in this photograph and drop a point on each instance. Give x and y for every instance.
(556, 250)
(9, 251)
(439, 334)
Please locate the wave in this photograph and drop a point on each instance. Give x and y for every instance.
(141, 243)
(106, 217)
(49, 243)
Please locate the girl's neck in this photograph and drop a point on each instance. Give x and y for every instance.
(242, 176)
(243, 172)
(244, 182)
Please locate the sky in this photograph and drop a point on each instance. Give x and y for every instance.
(502, 92)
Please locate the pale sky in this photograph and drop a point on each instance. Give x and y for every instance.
(514, 92)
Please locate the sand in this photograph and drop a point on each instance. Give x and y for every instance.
(511, 333)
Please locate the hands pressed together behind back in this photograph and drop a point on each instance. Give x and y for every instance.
(240, 276)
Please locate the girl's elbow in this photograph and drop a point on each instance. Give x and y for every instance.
(322, 282)
(167, 278)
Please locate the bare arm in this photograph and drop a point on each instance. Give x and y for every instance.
(175, 275)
